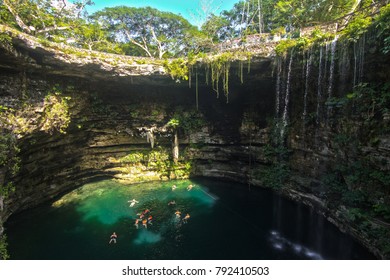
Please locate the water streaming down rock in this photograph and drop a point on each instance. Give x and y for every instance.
(319, 91)
(307, 77)
(358, 50)
(278, 86)
(331, 73)
(286, 99)
(326, 59)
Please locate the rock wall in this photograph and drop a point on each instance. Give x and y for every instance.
(111, 120)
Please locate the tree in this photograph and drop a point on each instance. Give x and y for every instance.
(154, 31)
(246, 17)
(205, 9)
(216, 28)
(42, 16)
(92, 37)
(301, 13)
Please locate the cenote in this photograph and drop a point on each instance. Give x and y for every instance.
(291, 130)
(227, 221)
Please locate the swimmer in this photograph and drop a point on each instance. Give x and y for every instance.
(172, 203)
(113, 238)
(177, 213)
(146, 211)
(185, 219)
(133, 202)
(190, 187)
(136, 223)
(144, 223)
(150, 220)
(174, 187)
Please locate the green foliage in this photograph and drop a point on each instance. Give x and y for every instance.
(177, 68)
(56, 113)
(156, 160)
(355, 215)
(174, 123)
(7, 189)
(357, 27)
(5, 39)
(382, 210)
(157, 33)
(9, 156)
(214, 26)
(3, 248)
(274, 176)
(382, 27)
(284, 46)
(190, 121)
(135, 157)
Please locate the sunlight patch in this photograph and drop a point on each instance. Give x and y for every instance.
(147, 237)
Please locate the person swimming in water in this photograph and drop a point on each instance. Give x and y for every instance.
(146, 211)
(145, 223)
(190, 187)
(150, 218)
(136, 223)
(133, 202)
(174, 187)
(113, 238)
(185, 219)
(178, 213)
(172, 203)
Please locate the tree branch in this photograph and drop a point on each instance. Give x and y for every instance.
(53, 28)
(145, 48)
(159, 46)
(18, 19)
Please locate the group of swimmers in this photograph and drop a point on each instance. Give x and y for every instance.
(145, 221)
(142, 218)
(188, 188)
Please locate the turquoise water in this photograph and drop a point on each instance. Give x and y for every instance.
(227, 221)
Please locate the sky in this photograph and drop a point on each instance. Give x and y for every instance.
(187, 8)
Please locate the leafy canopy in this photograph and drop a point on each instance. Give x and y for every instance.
(157, 33)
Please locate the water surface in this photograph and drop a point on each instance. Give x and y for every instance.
(228, 221)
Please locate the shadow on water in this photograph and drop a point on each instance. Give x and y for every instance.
(228, 221)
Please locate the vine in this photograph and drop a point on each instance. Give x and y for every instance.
(3, 248)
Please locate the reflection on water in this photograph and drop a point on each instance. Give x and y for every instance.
(283, 244)
(226, 221)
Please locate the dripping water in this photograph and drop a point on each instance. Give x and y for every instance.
(278, 86)
(308, 68)
(287, 98)
(331, 72)
(319, 92)
(358, 53)
(344, 63)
